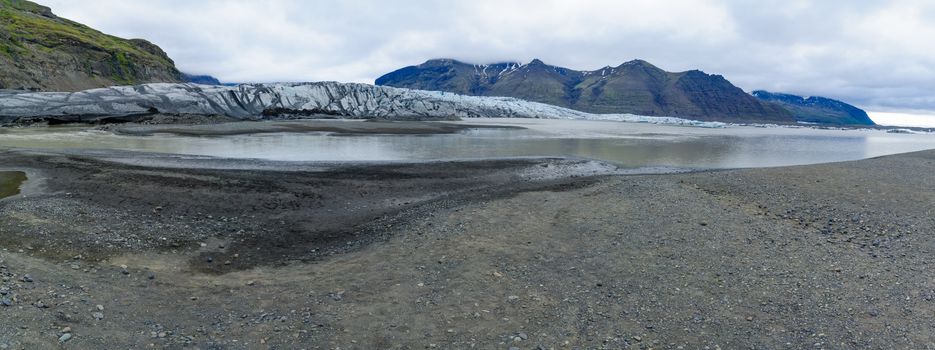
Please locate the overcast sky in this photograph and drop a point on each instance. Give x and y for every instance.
(879, 55)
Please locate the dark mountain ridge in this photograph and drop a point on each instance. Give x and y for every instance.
(816, 109)
(203, 79)
(636, 87)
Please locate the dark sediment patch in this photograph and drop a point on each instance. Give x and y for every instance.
(314, 241)
(343, 127)
(268, 217)
(106, 120)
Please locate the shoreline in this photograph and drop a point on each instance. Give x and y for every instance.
(463, 254)
(215, 125)
(335, 141)
(344, 127)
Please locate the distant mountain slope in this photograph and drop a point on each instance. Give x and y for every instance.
(41, 51)
(200, 79)
(635, 87)
(816, 109)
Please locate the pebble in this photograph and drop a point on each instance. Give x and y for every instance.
(98, 315)
(27, 278)
(100, 307)
(151, 276)
(6, 302)
(66, 330)
(64, 338)
(522, 336)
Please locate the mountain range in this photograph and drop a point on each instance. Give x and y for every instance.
(40, 51)
(818, 110)
(200, 79)
(635, 87)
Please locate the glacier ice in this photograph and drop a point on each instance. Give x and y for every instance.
(252, 101)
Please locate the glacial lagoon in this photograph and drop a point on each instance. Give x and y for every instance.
(629, 145)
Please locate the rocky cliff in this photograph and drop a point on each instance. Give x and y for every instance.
(41, 51)
(635, 87)
(816, 109)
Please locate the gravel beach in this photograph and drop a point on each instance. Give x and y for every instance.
(500, 254)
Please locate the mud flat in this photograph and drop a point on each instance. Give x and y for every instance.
(343, 127)
(523, 253)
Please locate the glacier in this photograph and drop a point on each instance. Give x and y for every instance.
(265, 101)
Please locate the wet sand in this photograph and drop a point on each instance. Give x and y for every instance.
(525, 253)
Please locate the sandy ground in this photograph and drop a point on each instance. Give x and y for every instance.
(526, 254)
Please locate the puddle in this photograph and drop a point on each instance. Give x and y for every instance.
(10, 182)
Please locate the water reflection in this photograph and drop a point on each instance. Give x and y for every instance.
(625, 144)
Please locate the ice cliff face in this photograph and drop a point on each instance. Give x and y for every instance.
(251, 101)
(260, 101)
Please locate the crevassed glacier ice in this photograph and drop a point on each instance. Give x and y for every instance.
(250, 101)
